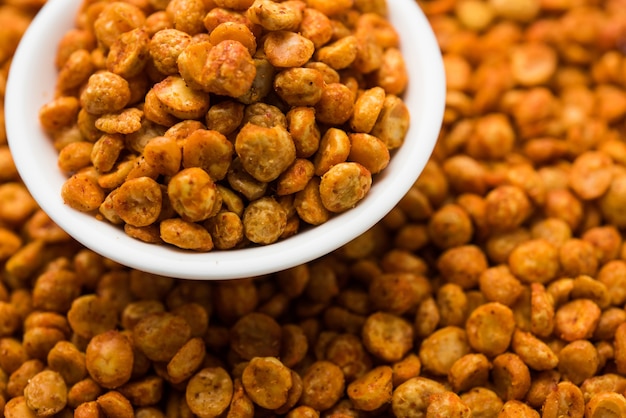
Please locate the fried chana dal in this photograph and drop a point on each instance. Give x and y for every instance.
(495, 288)
(200, 124)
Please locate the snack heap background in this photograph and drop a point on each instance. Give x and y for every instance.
(495, 288)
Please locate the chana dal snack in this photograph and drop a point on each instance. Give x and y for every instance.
(197, 124)
(441, 309)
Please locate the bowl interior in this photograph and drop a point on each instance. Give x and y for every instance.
(31, 84)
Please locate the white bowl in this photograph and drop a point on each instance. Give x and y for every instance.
(31, 84)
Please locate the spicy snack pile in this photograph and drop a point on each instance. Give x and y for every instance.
(495, 288)
(225, 124)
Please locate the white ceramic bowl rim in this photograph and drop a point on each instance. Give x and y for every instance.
(30, 85)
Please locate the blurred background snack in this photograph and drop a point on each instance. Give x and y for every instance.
(496, 287)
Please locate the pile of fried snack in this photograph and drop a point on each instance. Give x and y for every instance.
(495, 288)
(226, 124)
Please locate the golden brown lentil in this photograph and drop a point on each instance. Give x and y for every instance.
(539, 296)
(233, 90)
